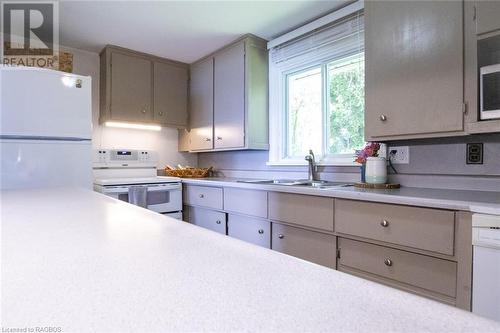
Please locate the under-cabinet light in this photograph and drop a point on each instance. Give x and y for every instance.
(133, 126)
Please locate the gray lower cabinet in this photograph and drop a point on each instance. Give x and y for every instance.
(209, 219)
(420, 228)
(243, 201)
(249, 229)
(414, 68)
(487, 16)
(306, 210)
(422, 274)
(204, 196)
(309, 245)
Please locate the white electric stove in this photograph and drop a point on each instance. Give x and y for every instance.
(130, 175)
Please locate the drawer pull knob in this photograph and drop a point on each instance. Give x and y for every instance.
(218, 222)
(384, 223)
(261, 231)
(383, 117)
(143, 111)
(280, 236)
(201, 196)
(388, 262)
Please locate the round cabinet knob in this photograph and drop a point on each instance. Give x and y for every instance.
(219, 138)
(388, 262)
(383, 117)
(261, 231)
(208, 139)
(280, 236)
(143, 110)
(160, 113)
(218, 222)
(201, 196)
(384, 223)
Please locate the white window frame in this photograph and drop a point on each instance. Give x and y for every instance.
(278, 96)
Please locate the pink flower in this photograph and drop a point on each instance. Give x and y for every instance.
(371, 149)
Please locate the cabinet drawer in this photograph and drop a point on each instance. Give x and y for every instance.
(203, 196)
(255, 231)
(308, 245)
(247, 202)
(421, 228)
(436, 275)
(209, 219)
(306, 210)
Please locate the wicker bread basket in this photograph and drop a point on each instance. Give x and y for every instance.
(188, 172)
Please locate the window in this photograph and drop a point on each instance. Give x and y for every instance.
(317, 94)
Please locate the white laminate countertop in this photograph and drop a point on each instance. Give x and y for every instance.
(81, 261)
(486, 202)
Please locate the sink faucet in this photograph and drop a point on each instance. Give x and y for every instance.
(313, 168)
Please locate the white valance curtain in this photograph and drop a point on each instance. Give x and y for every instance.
(335, 40)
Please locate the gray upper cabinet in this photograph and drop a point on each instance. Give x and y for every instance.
(414, 68)
(228, 98)
(170, 94)
(131, 90)
(487, 16)
(202, 105)
(137, 87)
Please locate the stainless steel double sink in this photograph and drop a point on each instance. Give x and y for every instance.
(322, 184)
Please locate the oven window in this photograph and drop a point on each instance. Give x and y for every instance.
(491, 91)
(159, 197)
(123, 197)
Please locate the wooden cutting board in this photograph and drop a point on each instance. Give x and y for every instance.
(378, 186)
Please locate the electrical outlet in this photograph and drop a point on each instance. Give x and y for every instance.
(399, 155)
(474, 153)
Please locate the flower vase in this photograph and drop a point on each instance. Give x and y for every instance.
(362, 170)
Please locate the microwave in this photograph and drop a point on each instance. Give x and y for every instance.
(489, 92)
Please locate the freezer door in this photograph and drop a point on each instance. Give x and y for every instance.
(35, 164)
(44, 103)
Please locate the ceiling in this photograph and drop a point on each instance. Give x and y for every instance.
(180, 30)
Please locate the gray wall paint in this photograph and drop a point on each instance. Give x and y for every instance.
(433, 163)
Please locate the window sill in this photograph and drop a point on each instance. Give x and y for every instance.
(321, 163)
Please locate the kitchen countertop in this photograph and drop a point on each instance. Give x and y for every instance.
(82, 261)
(473, 201)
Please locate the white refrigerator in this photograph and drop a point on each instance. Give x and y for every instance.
(45, 129)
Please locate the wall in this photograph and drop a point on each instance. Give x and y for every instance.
(164, 141)
(434, 163)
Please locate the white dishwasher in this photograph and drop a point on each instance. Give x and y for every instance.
(486, 265)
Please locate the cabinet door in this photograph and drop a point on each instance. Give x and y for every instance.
(170, 94)
(131, 91)
(209, 219)
(487, 16)
(252, 230)
(305, 244)
(202, 102)
(229, 97)
(414, 67)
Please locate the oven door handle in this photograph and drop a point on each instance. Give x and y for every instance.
(164, 188)
(114, 190)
